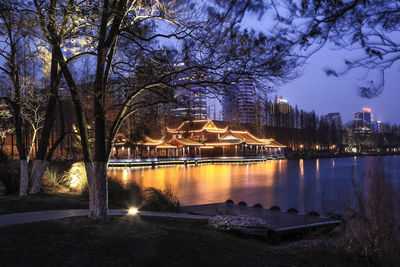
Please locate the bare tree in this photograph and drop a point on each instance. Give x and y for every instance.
(127, 36)
(6, 125)
(15, 28)
(33, 110)
(369, 26)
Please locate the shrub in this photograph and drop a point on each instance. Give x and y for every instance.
(77, 178)
(258, 206)
(157, 200)
(10, 180)
(132, 194)
(123, 195)
(335, 217)
(372, 228)
(3, 156)
(293, 210)
(242, 203)
(313, 213)
(275, 208)
(229, 201)
(54, 181)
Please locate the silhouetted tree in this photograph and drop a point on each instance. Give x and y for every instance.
(370, 26)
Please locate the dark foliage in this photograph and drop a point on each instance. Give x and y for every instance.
(275, 208)
(293, 210)
(3, 157)
(125, 196)
(157, 200)
(10, 178)
(313, 213)
(230, 201)
(371, 27)
(242, 203)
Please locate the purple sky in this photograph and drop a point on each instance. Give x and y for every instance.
(314, 90)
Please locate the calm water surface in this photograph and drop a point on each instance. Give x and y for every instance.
(320, 184)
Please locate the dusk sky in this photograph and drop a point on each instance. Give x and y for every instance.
(314, 90)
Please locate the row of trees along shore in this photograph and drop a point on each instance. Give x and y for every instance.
(47, 43)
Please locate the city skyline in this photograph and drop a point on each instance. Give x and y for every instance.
(314, 90)
(340, 94)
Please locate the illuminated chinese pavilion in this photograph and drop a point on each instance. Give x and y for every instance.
(199, 138)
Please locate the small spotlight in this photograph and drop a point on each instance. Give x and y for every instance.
(132, 211)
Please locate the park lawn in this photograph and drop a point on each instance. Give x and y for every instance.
(54, 201)
(146, 241)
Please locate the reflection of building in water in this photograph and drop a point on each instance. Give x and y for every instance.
(198, 138)
(301, 166)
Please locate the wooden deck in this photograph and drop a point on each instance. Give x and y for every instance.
(277, 221)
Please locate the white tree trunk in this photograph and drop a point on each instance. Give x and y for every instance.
(32, 144)
(101, 191)
(38, 169)
(24, 179)
(91, 187)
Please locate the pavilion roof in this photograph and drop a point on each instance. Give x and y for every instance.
(166, 146)
(184, 142)
(197, 126)
(221, 142)
(120, 140)
(244, 136)
(273, 143)
(150, 141)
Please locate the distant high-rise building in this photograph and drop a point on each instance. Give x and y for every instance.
(363, 120)
(239, 102)
(282, 105)
(247, 100)
(277, 113)
(190, 95)
(378, 127)
(333, 119)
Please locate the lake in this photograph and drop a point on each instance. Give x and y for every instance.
(322, 185)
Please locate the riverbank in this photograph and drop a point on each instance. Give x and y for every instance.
(158, 241)
(328, 154)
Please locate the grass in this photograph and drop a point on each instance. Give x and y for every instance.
(372, 228)
(135, 241)
(55, 201)
(124, 195)
(158, 200)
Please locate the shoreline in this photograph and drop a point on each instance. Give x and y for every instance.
(322, 155)
(153, 162)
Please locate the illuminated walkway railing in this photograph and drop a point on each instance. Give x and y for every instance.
(189, 160)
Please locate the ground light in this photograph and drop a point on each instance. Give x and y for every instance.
(132, 211)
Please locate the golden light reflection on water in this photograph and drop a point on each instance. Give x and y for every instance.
(301, 166)
(207, 183)
(317, 168)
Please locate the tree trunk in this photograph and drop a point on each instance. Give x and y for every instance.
(91, 187)
(24, 178)
(32, 144)
(101, 192)
(40, 163)
(38, 169)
